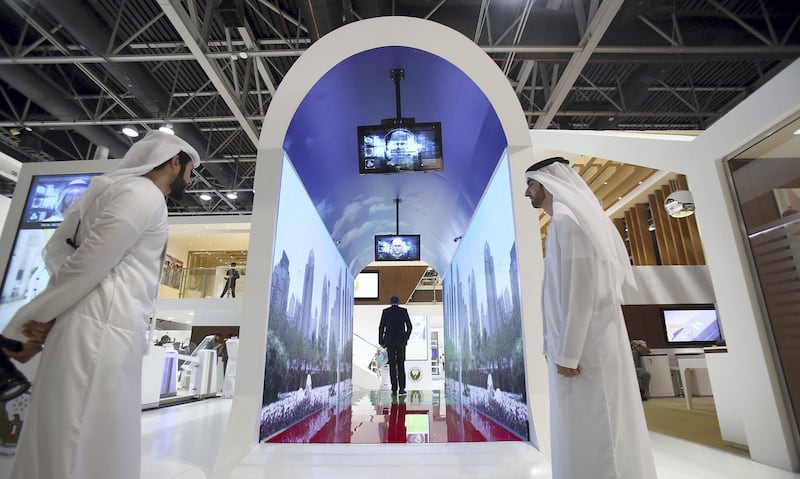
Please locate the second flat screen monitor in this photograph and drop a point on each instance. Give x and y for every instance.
(396, 247)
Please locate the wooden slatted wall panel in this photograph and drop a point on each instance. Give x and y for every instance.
(659, 221)
(632, 237)
(696, 245)
(677, 239)
(666, 243)
(645, 238)
(620, 227)
(397, 281)
(674, 232)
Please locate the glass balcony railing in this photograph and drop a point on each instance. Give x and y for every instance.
(189, 283)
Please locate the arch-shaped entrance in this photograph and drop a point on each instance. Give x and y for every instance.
(326, 94)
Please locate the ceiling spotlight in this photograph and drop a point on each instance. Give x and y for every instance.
(232, 195)
(243, 55)
(205, 196)
(130, 130)
(679, 204)
(797, 131)
(166, 128)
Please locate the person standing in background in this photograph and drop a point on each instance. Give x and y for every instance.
(597, 424)
(231, 275)
(393, 333)
(105, 259)
(638, 349)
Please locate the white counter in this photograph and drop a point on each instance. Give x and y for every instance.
(726, 385)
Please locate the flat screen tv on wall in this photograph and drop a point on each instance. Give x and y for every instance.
(691, 326)
(396, 247)
(398, 148)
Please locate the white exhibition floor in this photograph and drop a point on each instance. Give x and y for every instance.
(181, 442)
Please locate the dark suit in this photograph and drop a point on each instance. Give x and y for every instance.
(393, 334)
(230, 282)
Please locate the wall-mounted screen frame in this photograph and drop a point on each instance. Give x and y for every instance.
(391, 148)
(367, 285)
(397, 247)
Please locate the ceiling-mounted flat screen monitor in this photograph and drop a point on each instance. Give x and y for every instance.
(366, 285)
(397, 148)
(691, 326)
(396, 247)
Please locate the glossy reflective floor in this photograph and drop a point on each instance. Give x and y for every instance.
(376, 417)
(181, 442)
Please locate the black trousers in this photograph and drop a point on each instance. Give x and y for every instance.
(231, 287)
(397, 366)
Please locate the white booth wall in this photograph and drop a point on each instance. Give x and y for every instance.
(766, 416)
(5, 204)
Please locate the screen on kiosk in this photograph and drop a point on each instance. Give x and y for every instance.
(25, 275)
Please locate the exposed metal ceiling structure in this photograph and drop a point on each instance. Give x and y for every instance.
(73, 72)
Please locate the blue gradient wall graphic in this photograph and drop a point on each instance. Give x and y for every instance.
(485, 366)
(308, 370)
(322, 141)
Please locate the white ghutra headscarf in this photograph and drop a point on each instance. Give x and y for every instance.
(569, 189)
(149, 152)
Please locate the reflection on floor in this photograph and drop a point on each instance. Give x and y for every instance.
(376, 417)
(700, 424)
(182, 442)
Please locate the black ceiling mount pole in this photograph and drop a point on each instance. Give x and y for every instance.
(397, 216)
(397, 74)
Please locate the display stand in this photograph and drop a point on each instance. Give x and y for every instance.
(169, 376)
(229, 384)
(152, 374)
(660, 377)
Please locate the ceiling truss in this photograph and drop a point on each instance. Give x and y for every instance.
(610, 64)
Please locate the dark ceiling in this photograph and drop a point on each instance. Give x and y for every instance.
(73, 72)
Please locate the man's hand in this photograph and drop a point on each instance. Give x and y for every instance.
(37, 332)
(29, 350)
(568, 372)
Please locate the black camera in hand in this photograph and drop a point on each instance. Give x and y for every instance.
(12, 382)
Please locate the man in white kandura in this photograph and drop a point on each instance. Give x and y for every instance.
(597, 423)
(84, 420)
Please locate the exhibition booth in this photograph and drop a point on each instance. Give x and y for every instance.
(300, 298)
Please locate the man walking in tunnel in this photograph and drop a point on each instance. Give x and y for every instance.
(597, 424)
(393, 334)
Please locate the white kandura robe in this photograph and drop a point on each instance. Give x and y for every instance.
(597, 423)
(84, 420)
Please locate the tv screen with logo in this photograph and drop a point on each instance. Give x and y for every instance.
(691, 326)
(397, 148)
(396, 247)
